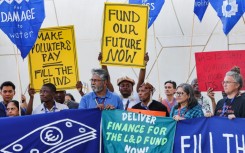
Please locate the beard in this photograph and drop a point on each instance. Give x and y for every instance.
(97, 89)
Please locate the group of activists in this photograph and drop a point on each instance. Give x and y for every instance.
(183, 101)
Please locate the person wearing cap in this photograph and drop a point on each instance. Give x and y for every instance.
(125, 84)
(100, 97)
(145, 93)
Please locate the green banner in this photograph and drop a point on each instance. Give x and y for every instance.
(130, 132)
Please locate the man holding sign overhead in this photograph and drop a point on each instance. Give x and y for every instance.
(126, 84)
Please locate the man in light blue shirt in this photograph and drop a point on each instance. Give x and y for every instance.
(101, 97)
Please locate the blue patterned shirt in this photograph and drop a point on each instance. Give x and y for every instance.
(188, 114)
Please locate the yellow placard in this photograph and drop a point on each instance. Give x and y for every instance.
(124, 34)
(53, 58)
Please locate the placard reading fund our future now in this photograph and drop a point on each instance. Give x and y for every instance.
(53, 58)
(124, 35)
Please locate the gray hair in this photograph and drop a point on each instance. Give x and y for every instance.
(235, 74)
(194, 81)
(103, 74)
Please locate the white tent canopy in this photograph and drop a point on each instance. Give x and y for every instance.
(174, 38)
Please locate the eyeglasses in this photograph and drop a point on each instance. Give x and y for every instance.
(227, 82)
(95, 80)
(179, 94)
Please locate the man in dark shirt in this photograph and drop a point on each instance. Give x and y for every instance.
(145, 93)
(60, 98)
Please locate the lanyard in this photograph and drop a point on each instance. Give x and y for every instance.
(126, 107)
(225, 107)
(46, 110)
(145, 107)
(183, 114)
(100, 101)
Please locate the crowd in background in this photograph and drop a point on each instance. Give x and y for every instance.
(183, 101)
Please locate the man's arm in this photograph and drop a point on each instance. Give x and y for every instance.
(142, 73)
(23, 103)
(210, 94)
(109, 84)
(79, 87)
(31, 92)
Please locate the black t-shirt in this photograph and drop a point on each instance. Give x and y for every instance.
(154, 106)
(228, 106)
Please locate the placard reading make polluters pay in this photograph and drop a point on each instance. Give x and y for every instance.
(53, 58)
(124, 34)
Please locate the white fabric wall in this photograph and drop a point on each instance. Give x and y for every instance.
(174, 35)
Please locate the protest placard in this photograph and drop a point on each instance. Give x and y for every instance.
(129, 132)
(21, 20)
(210, 135)
(212, 66)
(65, 131)
(53, 58)
(147, 112)
(124, 35)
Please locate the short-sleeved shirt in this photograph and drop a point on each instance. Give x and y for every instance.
(42, 110)
(228, 106)
(90, 100)
(196, 111)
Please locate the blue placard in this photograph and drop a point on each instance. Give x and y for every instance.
(210, 135)
(200, 8)
(155, 7)
(229, 11)
(21, 20)
(66, 131)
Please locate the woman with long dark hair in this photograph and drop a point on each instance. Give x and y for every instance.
(187, 106)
